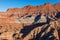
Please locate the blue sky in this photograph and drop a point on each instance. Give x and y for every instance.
(5, 4)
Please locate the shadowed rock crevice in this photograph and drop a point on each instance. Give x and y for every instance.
(27, 29)
(58, 15)
(47, 36)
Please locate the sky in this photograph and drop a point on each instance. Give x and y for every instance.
(5, 4)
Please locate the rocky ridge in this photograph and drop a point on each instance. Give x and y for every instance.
(31, 23)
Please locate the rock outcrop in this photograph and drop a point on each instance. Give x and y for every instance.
(31, 23)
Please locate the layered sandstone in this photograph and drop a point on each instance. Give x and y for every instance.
(31, 23)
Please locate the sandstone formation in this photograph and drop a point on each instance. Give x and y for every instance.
(31, 23)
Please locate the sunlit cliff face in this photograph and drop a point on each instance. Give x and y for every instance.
(31, 23)
(46, 9)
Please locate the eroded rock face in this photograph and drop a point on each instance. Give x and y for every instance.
(31, 23)
(46, 9)
(38, 31)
